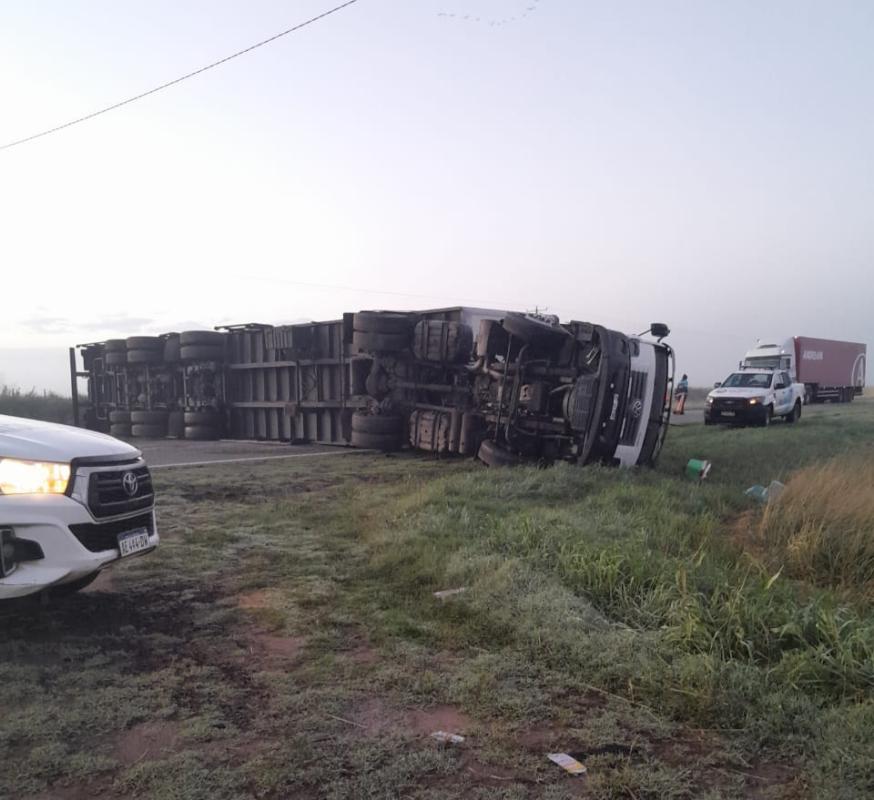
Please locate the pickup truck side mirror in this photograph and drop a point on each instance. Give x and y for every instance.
(717, 384)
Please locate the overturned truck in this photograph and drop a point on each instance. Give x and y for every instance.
(507, 387)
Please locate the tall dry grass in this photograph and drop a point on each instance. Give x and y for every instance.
(822, 526)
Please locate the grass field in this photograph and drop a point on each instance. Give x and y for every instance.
(285, 642)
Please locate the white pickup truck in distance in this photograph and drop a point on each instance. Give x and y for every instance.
(755, 396)
(71, 502)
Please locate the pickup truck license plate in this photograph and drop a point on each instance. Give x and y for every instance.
(726, 413)
(133, 542)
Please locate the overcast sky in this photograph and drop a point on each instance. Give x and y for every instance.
(709, 164)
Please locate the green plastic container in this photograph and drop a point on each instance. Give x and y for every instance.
(698, 469)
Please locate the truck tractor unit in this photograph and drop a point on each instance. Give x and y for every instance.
(829, 369)
(507, 387)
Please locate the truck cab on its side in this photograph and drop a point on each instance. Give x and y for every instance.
(755, 396)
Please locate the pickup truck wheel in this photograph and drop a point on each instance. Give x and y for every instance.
(383, 322)
(202, 352)
(769, 413)
(387, 442)
(66, 589)
(210, 338)
(148, 431)
(365, 342)
(492, 454)
(114, 346)
(201, 433)
(119, 416)
(120, 429)
(392, 424)
(795, 414)
(148, 417)
(145, 356)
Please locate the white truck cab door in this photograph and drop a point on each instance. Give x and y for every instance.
(782, 393)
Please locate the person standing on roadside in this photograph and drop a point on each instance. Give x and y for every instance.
(681, 393)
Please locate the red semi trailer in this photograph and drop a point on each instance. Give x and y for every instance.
(829, 369)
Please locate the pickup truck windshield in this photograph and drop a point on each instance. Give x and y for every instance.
(748, 380)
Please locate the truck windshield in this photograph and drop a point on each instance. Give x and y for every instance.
(748, 380)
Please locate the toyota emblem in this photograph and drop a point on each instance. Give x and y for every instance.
(636, 409)
(130, 483)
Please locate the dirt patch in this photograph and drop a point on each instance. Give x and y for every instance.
(362, 654)
(277, 650)
(374, 716)
(148, 741)
(258, 599)
(440, 718)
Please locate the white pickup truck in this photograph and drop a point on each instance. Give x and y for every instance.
(71, 502)
(755, 396)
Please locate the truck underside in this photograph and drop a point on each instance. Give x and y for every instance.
(508, 387)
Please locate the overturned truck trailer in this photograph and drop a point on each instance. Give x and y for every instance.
(507, 387)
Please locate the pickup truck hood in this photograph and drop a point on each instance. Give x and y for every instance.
(740, 391)
(46, 441)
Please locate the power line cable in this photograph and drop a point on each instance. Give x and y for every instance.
(167, 85)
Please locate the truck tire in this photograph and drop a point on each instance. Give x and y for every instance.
(144, 343)
(145, 356)
(795, 414)
(175, 425)
(392, 424)
(209, 338)
(172, 347)
(387, 442)
(148, 431)
(148, 417)
(120, 429)
(119, 417)
(492, 454)
(533, 330)
(114, 346)
(769, 414)
(201, 433)
(364, 342)
(115, 358)
(383, 322)
(210, 418)
(201, 352)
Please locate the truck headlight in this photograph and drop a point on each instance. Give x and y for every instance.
(709, 401)
(33, 477)
(755, 401)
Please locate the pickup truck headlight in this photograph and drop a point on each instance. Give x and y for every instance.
(709, 401)
(756, 401)
(33, 477)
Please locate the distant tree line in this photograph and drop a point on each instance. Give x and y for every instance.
(44, 405)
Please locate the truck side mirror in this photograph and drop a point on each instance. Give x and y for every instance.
(717, 384)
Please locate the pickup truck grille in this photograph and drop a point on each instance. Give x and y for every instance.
(98, 537)
(635, 413)
(108, 494)
(729, 403)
